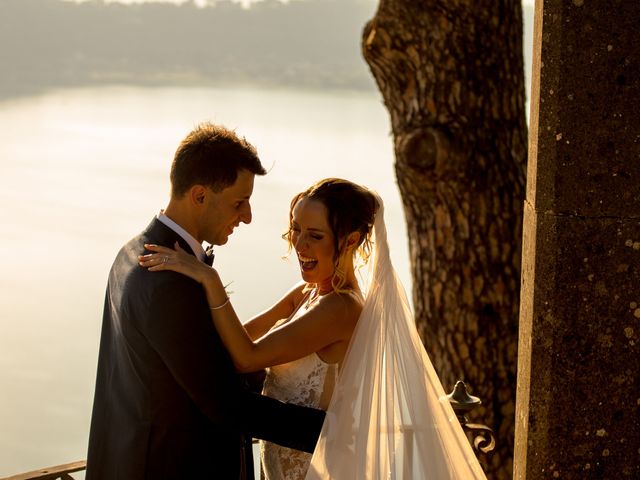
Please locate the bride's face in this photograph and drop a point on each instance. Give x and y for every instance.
(312, 239)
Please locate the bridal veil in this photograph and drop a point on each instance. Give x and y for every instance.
(388, 417)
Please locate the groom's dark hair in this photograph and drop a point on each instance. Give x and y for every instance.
(212, 155)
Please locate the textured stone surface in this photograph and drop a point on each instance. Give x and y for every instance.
(582, 319)
(585, 135)
(578, 404)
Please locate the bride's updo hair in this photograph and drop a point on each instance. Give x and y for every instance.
(350, 208)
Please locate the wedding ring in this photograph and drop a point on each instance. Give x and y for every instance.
(165, 259)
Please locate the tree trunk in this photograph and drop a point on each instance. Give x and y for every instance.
(451, 75)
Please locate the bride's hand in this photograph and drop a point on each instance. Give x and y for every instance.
(177, 260)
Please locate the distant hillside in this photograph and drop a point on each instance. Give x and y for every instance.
(310, 43)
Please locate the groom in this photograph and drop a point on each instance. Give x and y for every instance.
(168, 403)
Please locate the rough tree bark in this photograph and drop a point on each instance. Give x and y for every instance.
(451, 75)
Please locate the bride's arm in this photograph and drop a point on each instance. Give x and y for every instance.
(259, 325)
(179, 261)
(331, 320)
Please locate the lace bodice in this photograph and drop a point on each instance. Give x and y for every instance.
(308, 381)
(301, 382)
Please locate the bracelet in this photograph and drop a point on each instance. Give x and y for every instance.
(220, 306)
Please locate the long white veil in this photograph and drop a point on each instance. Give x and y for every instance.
(388, 417)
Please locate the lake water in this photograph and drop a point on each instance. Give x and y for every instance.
(83, 170)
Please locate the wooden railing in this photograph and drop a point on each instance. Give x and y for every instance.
(482, 438)
(62, 472)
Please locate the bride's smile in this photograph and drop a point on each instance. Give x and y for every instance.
(307, 263)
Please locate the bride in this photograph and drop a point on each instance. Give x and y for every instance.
(329, 346)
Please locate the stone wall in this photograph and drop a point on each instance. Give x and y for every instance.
(578, 403)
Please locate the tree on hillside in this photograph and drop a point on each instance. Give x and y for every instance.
(451, 75)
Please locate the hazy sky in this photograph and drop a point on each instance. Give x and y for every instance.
(245, 3)
(198, 2)
(201, 2)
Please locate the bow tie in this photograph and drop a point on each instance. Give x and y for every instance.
(209, 256)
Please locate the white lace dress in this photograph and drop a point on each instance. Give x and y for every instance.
(308, 381)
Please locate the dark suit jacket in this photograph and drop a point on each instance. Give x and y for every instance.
(168, 403)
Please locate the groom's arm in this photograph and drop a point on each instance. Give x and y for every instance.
(289, 425)
(253, 381)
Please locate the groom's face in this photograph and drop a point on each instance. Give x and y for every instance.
(223, 211)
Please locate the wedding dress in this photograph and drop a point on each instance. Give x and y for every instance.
(389, 417)
(308, 381)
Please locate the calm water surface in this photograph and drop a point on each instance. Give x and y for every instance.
(83, 170)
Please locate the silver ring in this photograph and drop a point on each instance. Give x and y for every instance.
(165, 259)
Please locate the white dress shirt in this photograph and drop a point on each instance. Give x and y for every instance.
(193, 243)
